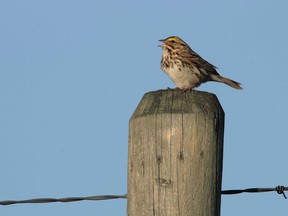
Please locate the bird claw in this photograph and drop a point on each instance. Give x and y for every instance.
(186, 90)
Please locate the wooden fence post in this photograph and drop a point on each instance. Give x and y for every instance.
(175, 155)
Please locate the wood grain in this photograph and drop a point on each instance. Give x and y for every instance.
(175, 155)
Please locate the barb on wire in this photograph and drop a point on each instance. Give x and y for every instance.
(278, 189)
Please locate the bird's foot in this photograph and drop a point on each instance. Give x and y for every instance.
(185, 90)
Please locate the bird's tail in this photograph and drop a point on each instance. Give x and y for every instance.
(227, 81)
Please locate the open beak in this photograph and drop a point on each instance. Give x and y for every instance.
(162, 45)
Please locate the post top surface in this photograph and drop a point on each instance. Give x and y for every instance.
(172, 101)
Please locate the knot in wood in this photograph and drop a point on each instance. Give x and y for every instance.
(163, 182)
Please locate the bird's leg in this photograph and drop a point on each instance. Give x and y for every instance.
(184, 90)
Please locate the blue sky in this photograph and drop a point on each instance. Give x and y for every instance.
(73, 72)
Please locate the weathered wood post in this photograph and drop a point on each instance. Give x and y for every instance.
(175, 155)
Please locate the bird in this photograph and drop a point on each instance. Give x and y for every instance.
(186, 68)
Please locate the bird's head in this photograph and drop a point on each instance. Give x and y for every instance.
(173, 43)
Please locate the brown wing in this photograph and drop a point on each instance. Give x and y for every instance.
(199, 62)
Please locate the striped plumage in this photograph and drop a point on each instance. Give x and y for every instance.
(186, 68)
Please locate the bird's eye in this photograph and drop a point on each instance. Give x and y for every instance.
(172, 41)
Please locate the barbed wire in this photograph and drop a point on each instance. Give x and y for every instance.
(279, 189)
(65, 199)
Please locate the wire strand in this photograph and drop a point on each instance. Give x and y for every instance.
(279, 189)
(65, 199)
